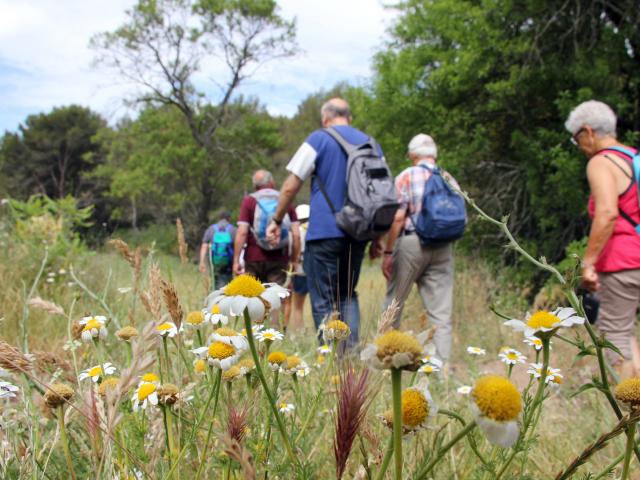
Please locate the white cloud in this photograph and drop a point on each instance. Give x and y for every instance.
(45, 60)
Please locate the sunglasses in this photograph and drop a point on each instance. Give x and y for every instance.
(574, 138)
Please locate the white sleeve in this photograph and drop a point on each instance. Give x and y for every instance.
(303, 163)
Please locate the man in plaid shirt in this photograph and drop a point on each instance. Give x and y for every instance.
(407, 261)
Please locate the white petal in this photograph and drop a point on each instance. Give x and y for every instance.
(237, 306)
(272, 298)
(153, 398)
(225, 304)
(564, 312)
(256, 309)
(517, 325)
(368, 352)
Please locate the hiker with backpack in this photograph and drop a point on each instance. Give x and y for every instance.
(611, 263)
(419, 246)
(217, 250)
(268, 262)
(352, 202)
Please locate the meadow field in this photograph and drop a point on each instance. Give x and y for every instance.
(101, 436)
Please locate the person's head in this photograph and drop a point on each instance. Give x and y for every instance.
(592, 126)
(262, 179)
(225, 215)
(335, 112)
(422, 147)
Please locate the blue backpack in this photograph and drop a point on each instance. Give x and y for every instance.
(635, 166)
(443, 216)
(266, 204)
(222, 246)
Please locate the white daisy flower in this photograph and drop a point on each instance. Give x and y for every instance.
(268, 335)
(545, 323)
(295, 366)
(553, 374)
(418, 408)
(224, 351)
(476, 351)
(254, 329)
(214, 317)
(98, 372)
(167, 329)
(534, 342)
(324, 350)
(230, 337)
(464, 389)
(7, 390)
(200, 366)
(396, 349)
(511, 356)
(246, 292)
(429, 368)
(335, 330)
(286, 408)
(146, 393)
(150, 378)
(497, 407)
(93, 327)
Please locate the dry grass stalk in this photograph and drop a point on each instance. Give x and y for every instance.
(236, 451)
(350, 414)
(44, 305)
(172, 302)
(46, 362)
(599, 444)
(124, 250)
(388, 317)
(137, 269)
(237, 423)
(182, 244)
(206, 282)
(151, 298)
(13, 359)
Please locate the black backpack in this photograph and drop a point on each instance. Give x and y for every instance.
(370, 200)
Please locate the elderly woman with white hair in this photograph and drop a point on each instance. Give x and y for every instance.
(611, 263)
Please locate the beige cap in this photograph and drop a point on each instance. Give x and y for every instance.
(423, 145)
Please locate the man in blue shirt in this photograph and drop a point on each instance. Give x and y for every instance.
(332, 260)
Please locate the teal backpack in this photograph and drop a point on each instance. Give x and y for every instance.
(222, 246)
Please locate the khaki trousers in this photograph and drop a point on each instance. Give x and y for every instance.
(431, 268)
(619, 299)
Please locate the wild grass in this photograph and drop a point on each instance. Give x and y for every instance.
(107, 440)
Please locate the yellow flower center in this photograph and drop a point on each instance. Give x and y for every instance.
(221, 350)
(394, 342)
(293, 362)
(247, 363)
(542, 319)
(320, 359)
(268, 335)
(497, 398)
(245, 286)
(231, 373)
(277, 357)
(149, 377)
(337, 325)
(199, 366)
(415, 408)
(226, 332)
(108, 384)
(215, 308)
(628, 391)
(95, 371)
(427, 369)
(91, 324)
(145, 390)
(512, 356)
(163, 327)
(195, 318)
(284, 406)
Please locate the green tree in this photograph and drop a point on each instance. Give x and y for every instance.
(51, 154)
(493, 81)
(163, 46)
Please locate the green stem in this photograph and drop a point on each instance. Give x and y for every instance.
(631, 432)
(444, 449)
(609, 468)
(215, 388)
(265, 386)
(396, 391)
(385, 460)
(65, 442)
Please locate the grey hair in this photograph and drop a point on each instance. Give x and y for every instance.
(330, 110)
(597, 115)
(422, 146)
(261, 179)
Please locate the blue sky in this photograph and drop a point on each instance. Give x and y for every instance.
(45, 60)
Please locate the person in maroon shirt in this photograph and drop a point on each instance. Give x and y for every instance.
(265, 265)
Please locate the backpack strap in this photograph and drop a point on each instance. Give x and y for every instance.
(346, 146)
(624, 214)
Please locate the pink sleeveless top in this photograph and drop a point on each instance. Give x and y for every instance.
(622, 251)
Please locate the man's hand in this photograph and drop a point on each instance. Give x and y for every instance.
(202, 267)
(590, 278)
(376, 248)
(273, 233)
(237, 268)
(387, 264)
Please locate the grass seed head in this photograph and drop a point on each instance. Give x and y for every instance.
(57, 395)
